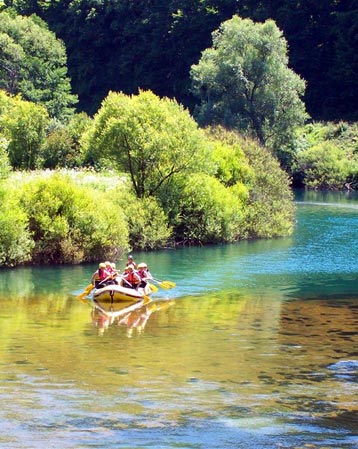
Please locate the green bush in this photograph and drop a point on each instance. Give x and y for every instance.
(323, 166)
(71, 224)
(23, 124)
(57, 149)
(312, 138)
(4, 159)
(270, 208)
(15, 240)
(210, 212)
(147, 222)
(265, 194)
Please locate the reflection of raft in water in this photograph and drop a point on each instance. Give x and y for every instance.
(133, 316)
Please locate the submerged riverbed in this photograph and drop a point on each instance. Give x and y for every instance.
(256, 347)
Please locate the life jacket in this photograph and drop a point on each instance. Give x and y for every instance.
(133, 278)
(142, 273)
(103, 274)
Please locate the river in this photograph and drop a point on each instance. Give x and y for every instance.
(255, 348)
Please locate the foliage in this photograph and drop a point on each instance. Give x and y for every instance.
(57, 149)
(121, 46)
(34, 63)
(335, 169)
(323, 166)
(244, 82)
(232, 166)
(15, 240)
(4, 159)
(62, 145)
(23, 124)
(269, 209)
(209, 212)
(149, 138)
(148, 226)
(70, 224)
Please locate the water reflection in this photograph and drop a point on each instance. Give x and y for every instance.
(268, 361)
(133, 317)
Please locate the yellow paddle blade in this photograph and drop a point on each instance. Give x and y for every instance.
(153, 288)
(167, 284)
(85, 293)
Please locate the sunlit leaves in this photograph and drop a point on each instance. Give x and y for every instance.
(16, 243)
(23, 124)
(244, 82)
(209, 212)
(150, 138)
(34, 63)
(71, 224)
(324, 166)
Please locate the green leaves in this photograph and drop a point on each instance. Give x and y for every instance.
(23, 124)
(244, 83)
(150, 138)
(16, 243)
(71, 224)
(34, 63)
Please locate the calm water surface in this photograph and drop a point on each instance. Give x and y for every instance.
(256, 347)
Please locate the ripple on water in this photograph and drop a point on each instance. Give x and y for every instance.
(346, 370)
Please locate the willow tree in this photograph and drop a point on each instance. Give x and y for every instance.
(244, 83)
(149, 138)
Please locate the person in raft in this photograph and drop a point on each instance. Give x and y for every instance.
(130, 278)
(100, 276)
(131, 262)
(144, 274)
(112, 272)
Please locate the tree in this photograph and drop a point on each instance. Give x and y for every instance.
(323, 166)
(244, 82)
(149, 138)
(62, 145)
(34, 63)
(209, 212)
(23, 124)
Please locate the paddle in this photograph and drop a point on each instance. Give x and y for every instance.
(167, 285)
(89, 288)
(85, 293)
(153, 288)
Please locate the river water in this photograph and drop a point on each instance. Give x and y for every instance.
(256, 347)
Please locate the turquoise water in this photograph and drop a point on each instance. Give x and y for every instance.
(256, 347)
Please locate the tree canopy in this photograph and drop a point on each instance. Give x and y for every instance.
(34, 63)
(126, 45)
(244, 82)
(149, 138)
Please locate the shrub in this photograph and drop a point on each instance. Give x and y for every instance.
(4, 159)
(23, 124)
(209, 212)
(15, 240)
(323, 166)
(71, 224)
(267, 197)
(147, 222)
